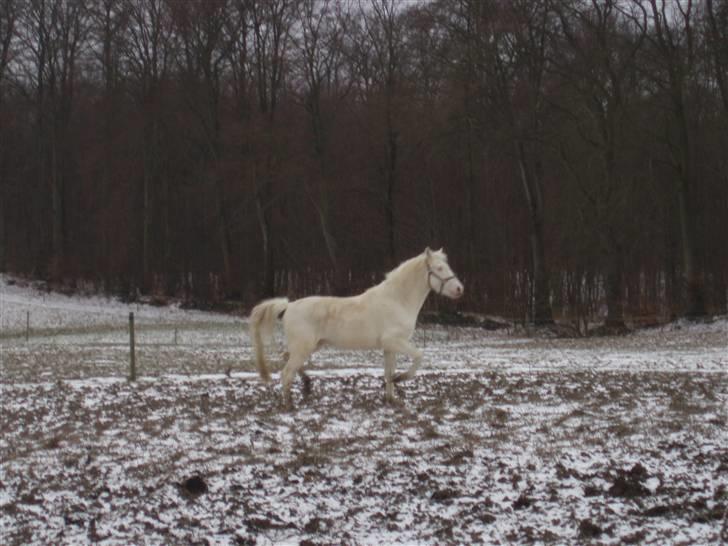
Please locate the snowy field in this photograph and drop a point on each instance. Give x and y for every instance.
(501, 439)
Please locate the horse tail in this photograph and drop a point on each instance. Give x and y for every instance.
(262, 319)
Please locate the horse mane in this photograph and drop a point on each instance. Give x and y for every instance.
(403, 270)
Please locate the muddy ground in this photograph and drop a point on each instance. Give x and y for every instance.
(466, 457)
(503, 437)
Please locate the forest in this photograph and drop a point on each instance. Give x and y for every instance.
(571, 156)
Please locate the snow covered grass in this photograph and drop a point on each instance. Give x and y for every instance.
(51, 312)
(501, 439)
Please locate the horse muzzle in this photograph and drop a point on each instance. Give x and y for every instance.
(457, 290)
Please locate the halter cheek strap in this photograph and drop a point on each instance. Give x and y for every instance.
(443, 281)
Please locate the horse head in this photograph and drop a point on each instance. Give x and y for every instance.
(439, 275)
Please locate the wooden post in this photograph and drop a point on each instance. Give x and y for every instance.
(175, 336)
(132, 357)
(27, 326)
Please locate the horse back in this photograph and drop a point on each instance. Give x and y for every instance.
(348, 323)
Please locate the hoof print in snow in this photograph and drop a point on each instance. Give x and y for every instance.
(627, 488)
(661, 510)
(638, 472)
(487, 518)
(628, 484)
(591, 491)
(443, 495)
(193, 487)
(315, 525)
(522, 502)
(587, 529)
(268, 521)
(53, 443)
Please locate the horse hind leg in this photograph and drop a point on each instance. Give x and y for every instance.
(306, 382)
(305, 378)
(292, 367)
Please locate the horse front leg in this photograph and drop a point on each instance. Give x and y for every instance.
(390, 363)
(405, 347)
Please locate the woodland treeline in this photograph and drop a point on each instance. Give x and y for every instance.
(571, 155)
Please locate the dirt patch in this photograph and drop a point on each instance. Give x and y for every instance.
(175, 460)
(193, 487)
(628, 484)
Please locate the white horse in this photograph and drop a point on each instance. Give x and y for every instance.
(383, 317)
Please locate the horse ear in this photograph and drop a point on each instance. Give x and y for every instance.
(428, 252)
(440, 251)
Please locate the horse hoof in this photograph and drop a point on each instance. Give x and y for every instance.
(306, 385)
(399, 377)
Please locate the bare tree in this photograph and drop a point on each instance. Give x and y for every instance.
(54, 32)
(271, 25)
(108, 28)
(601, 68)
(672, 34)
(9, 13)
(717, 16)
(511, 57)
(148, 54)
(239, 29)
(320, 57)
(142, 141)
(207, 39)
(384, 38)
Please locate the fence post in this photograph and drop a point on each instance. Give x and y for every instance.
(27, 326)
(132, 358)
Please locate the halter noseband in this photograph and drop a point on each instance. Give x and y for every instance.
(443, 281)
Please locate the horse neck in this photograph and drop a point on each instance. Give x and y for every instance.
(410, 285)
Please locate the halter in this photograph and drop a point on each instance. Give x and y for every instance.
(443, 281)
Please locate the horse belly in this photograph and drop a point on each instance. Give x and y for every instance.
(345, 323)
(351, 334)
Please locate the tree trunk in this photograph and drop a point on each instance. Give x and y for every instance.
(322, 201)
(717, 35)
(541, 312)
(471, 205)
(263, 208)
(224, 232)
(146, 223)
(722, 293)
(4, 207)
(694, 289)
(3, 204)
(614, 295)
(323, 213)
(692, 282)
(391, 182)
(57, 208)
(167, 267)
